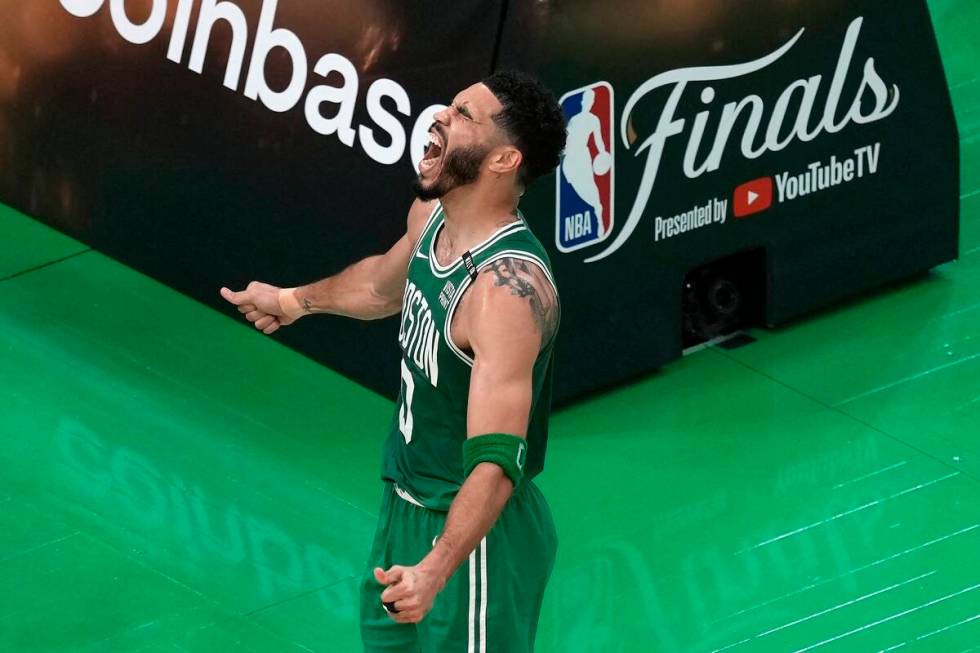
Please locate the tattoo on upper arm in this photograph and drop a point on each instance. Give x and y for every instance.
(527, 280)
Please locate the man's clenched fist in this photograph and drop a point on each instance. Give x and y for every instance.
(411, 591)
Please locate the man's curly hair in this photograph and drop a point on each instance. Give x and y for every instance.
(532, 118)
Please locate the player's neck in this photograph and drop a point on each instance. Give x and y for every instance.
(473, 212)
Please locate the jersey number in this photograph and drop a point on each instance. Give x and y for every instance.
(405, 412)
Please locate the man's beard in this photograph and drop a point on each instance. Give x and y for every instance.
(461, 167)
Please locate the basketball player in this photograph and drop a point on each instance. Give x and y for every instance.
(465, 541)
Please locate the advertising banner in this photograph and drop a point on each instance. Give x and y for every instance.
(207, 143)
(760, 160)
(814, 142)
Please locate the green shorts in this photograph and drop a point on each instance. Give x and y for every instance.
(493, 600)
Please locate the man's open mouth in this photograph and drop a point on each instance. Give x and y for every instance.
(432, 153)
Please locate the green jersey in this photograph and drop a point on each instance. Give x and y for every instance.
(423, 454)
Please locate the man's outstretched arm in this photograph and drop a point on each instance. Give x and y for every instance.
(512, 313)
(367, 290)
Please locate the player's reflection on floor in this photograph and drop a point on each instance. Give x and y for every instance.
(163, 510)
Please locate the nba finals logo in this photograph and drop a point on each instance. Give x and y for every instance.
(584, 195)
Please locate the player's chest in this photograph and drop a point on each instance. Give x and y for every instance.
(434, 304)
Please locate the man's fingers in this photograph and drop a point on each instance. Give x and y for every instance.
(394, 574)
(264, 322)
(396, 592)
(410, 617)
(401, 594)
(245, 308)
(408, 605)
(252, 316)
(232, 296)
(272, 327)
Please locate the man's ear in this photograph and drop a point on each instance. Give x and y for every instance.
(505, 159)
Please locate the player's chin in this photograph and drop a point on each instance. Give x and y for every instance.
(427, 188)
(423, 191)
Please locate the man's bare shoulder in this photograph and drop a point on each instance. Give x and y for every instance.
(512, 286)
(418, 215)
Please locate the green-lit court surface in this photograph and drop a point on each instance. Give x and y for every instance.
(171, 480)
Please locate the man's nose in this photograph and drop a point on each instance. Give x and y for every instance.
(443, 117)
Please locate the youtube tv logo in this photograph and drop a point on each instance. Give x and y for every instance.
(752, 197)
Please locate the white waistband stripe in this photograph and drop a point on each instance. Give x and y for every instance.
(407, 497)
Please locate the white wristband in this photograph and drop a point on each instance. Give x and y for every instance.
(289, 304)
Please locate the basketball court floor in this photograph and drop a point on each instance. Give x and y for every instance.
(172, 480)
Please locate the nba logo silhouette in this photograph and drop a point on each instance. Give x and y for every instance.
(584, 195)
